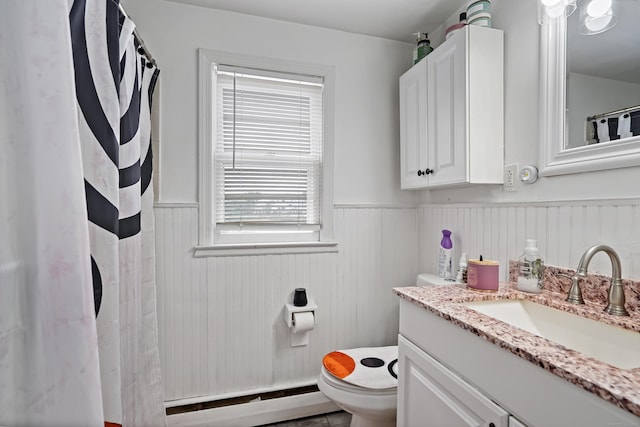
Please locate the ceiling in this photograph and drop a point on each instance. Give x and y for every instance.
(390, 19)
(614, 54)
(618, 50)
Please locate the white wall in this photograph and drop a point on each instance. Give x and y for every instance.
(366, 114)
(220, 319)
(554, 209)
(564, 230)
(207, 348)
(589, 95)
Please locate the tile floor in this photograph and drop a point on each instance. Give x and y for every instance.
(334, 419)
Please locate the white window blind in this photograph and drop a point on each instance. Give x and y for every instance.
(268, 152)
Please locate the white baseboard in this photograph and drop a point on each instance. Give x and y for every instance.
(257, 413)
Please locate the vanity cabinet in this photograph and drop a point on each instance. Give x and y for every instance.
(430, 394)
(451, 113)
(450, 376)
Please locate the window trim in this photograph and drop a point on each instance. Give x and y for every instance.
(206, 227)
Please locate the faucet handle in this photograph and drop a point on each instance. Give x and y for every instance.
(575, 293)
(616, 300)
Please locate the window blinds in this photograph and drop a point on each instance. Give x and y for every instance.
(268, 148)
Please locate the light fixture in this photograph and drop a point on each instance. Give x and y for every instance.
(597, 16)
(598, 8)
(550, 11)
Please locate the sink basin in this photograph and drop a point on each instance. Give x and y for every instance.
(610, 344)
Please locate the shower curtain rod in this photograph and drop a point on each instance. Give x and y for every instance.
(140, 41)
(616, 112)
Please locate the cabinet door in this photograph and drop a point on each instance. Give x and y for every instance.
(413, 126)
(447, 112)
(430, 395)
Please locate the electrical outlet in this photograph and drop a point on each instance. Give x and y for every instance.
(510, 177)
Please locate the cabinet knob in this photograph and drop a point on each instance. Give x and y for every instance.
(492, 425)
(420, 173)
(428, 171)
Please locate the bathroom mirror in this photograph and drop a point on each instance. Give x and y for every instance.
(583, 76)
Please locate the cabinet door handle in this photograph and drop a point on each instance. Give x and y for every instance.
(420, 173)
(492, 425)
(428, 171)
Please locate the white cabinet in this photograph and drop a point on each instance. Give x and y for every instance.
(413, 126)
(451, 113)
(429, 394)
(447, 112)
(462, 379)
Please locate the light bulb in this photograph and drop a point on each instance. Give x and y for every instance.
(596, 25)
(597, 8)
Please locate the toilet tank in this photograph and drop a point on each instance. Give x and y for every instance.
(426, 279)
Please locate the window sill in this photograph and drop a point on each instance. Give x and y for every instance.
(246, 249)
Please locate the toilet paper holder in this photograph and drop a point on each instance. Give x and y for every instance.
(289, 309)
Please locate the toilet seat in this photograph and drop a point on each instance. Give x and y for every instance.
(373, 368)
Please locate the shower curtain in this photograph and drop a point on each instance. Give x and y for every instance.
(49, 364)
(78, 334)
(114, 84)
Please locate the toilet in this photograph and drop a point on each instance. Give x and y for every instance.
(364, 381)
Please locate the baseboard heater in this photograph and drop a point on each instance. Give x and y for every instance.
(255, 409)
(241, 399)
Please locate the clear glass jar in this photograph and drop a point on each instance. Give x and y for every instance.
(530, 269)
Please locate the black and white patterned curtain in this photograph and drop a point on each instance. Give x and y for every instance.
(114, 87)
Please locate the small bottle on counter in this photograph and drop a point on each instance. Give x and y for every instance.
(530, 269)
(444, 256)
(462, 269)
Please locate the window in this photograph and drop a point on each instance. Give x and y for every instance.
(265, 153)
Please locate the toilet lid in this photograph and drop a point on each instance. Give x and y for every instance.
(368, 367)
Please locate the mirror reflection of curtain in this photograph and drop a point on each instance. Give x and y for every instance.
(612, 127)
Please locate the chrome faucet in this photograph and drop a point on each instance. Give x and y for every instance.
(615, 303)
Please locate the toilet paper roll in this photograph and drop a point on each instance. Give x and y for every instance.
(303, 321)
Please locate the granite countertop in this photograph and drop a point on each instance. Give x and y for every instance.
(618, 386)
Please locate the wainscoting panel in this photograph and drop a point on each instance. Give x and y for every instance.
(221, 327)
(564, 230)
